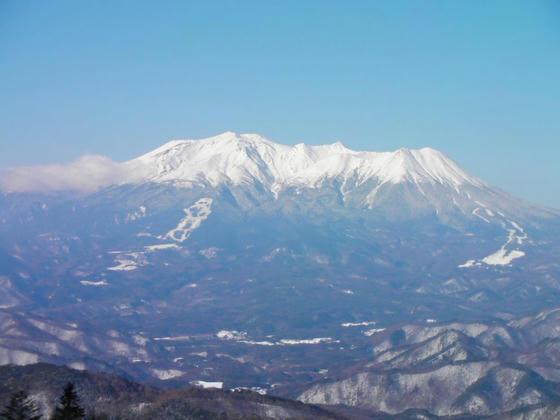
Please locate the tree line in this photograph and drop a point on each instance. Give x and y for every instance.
(22, 407)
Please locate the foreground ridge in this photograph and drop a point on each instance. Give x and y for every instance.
(112, 396)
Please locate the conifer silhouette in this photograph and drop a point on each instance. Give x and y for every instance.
(68, 407)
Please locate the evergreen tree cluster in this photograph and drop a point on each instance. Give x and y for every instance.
(22, 407)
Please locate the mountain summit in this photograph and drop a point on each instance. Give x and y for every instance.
(238, 159)
(401, 184)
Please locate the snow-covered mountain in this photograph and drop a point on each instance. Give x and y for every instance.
(235, 259)
(234, 159)
(404, 183)
(422, 181)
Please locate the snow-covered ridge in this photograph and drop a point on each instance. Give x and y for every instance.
(238, 159)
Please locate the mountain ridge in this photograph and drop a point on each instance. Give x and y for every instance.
(237, 158)
(403, 183)
(240, 158)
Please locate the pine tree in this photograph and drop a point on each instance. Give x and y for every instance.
(20, 407)
(68, 408)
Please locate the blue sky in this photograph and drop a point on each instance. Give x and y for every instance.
(478, 80)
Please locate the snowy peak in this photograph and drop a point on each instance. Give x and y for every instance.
(428, 165)
(238, 159)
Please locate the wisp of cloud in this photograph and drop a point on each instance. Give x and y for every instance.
(88, 173)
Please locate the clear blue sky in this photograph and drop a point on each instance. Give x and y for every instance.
(478, 80)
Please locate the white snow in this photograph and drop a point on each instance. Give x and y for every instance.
(373, 331)
(239, 159)
(231, 335)
(204, 384)
(469, 263)
(475, 212)
(194, 216)
(78, 365)
(246, 159)
(258, 343)
(259, 390)
(140, 340)
(138, 214)
(72, 336)
(176, 338)
(17, 357)
(289, 341)
(358, 324)
(273, 254)
(127, 261)
(241, 337)
(94, 283)
(165, 374)
(209, 253)
(124, 265)
(502, 256)
(161, 246)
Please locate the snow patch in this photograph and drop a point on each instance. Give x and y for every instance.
(258, 343)
(176, 338)
(231, 335)
(373, 331)
(194, 216)
(241, 337)
(209, 253)
(140, 340)
(358, 324)
(273, 254)
(291, 342)
(165, 374)
(208, 385)
(475, 212)
(94, 283)
(127, 261)
(161, 246)
(503, 256)
(469, 263)
(17, 357)
(78, 365)
(138, 214)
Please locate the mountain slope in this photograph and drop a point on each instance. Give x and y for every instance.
(238, 261)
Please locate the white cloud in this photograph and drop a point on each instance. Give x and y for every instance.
(88, 173)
